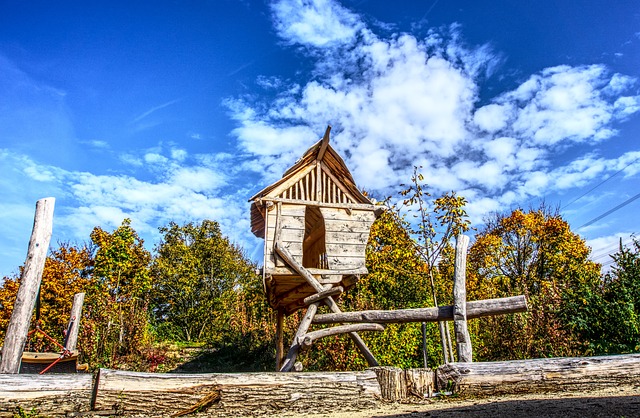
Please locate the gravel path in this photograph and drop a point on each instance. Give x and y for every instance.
(610, 402)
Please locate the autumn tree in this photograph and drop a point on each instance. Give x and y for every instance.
(65, 274)
(532, 253)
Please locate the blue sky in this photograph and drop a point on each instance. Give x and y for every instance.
(180, 111)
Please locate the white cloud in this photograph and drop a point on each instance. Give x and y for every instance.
(492, 118)
(314, 22)
(401, 101)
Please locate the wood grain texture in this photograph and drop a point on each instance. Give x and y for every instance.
(461, 331)
(475, 309)
(539, 375)
(255, 393)
(50, 394)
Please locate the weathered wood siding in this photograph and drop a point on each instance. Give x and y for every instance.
(347, 233)
(291, 233)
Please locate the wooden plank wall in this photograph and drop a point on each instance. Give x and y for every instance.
(347, 233)
(291, 235)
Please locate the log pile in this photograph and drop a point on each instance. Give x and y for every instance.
(120, 392)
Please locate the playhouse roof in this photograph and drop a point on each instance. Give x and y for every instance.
(321, 153)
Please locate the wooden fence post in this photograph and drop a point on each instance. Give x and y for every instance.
(16, 334)
(74, 321)
(463, 340)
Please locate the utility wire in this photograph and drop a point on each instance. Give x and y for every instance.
(601, 183)
(610, 211)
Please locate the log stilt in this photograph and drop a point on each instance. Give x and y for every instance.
(74, 322)
(333, 306)
(290, 360)
(279, 339)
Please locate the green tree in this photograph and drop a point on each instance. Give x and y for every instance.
(198, 275)
(607, 315)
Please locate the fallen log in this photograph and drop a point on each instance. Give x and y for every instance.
(539, 375)
(49, 394)
(164, 394)
(475, 309)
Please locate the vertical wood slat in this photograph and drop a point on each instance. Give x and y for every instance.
(16, 334)
(318, 179)
(463, 340)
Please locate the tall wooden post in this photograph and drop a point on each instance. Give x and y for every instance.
(18, 328)
(279, 339)
(74, 322)
(463, 340)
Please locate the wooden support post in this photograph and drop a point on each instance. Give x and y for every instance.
(463, 340)
(288, 258)
(290, 360)
(279, 339)
(74, 322)
(18, 328)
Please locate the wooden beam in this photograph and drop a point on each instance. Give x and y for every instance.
(333, 306)
(290, 360)
(324, 294)
(310, 337)
(279, 339)
(475, 309)
(324, 144)
(16, 334)
(539, 375)
(463, 340)
(363, 206)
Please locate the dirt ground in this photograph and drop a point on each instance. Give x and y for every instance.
(611, 402)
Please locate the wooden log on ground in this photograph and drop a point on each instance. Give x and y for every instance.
(165, 394)
(463, 339)
(50, 394)
(475, 309)
(539, 375)
(16, 334)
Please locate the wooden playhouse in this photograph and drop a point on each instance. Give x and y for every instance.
(315, 224)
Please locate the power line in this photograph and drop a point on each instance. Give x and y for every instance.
(610, 211)
(600, 184)
(602, 252)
